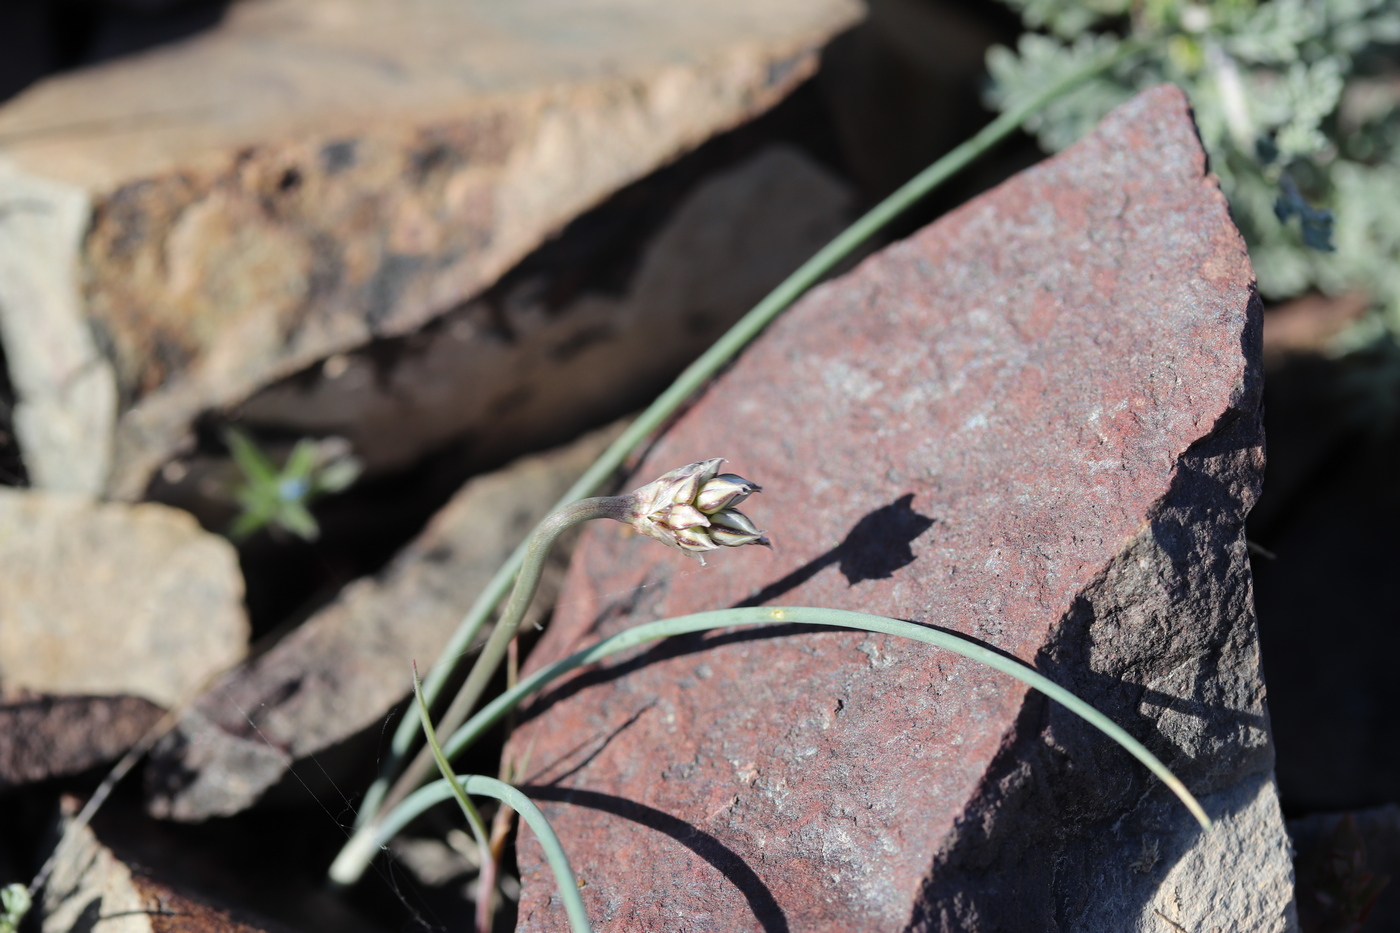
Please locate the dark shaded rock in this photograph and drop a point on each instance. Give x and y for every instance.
(1035, 422)
(1335, 861)
(904, 84)
(1328, 618)
(102, 880)
(546, 349)
(54, 736)
(345, 668)
(12, 472)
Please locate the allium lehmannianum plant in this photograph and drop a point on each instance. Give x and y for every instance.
(694, 508)
(391, 803)
(690, 508)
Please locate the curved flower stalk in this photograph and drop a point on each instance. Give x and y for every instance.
(367, 841)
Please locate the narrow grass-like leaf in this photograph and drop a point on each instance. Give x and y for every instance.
(839, 618)
(474, 820)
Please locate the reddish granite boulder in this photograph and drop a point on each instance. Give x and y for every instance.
(1035, 422)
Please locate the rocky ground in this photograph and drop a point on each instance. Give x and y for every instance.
(457, 246)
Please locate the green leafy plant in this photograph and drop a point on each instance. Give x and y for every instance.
(279, 497)
(15, 902)
(1294, 105)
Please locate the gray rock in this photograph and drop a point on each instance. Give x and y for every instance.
(1373, 849)
(311, 174)
(113, 599)
(343, 669)
(66, 389)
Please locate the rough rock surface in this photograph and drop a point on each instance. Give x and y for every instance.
(313, 173)
(343, 669)
(113, 599)
(1035, 422)
(539, 352)
(47, 737)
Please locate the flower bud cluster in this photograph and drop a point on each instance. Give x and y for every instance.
(693, 508)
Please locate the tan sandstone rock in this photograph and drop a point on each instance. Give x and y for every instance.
(113, 599)
(514, 367)
(314, 173)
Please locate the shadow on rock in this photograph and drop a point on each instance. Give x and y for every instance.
(724, 860)
(875, 548)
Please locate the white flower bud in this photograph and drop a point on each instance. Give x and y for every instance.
(723, 492)
(690, 508)
(685, 516)
(733, 528)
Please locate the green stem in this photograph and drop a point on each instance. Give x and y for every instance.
(714, 359)
(536, 553)
(358, 852)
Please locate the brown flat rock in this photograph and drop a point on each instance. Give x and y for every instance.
(45, 737)
(311, 174)
(1035, 422)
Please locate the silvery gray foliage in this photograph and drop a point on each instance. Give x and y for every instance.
(1296, 101)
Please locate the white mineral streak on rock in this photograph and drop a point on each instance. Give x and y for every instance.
(65, 389)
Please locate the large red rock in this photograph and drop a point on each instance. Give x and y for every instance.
(1035, 422)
